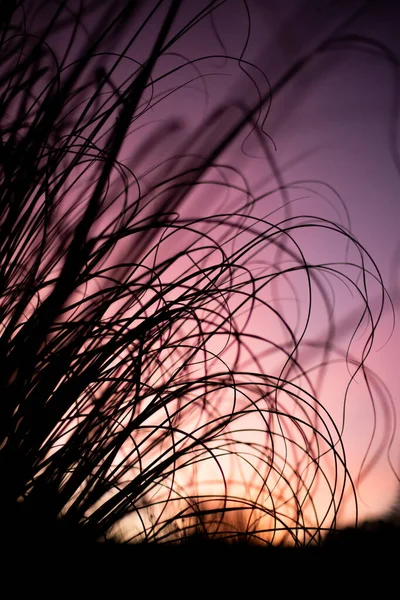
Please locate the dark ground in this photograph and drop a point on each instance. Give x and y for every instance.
(350, 562)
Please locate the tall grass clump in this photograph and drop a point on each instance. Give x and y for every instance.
(157, 311)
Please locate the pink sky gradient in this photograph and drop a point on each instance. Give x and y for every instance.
(331, 136)
(332, 126)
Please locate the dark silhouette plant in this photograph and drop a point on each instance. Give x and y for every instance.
(130, 285)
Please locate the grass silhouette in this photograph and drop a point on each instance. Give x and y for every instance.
(128, 357)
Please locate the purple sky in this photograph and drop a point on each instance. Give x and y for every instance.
(334, 124)
(333, 128)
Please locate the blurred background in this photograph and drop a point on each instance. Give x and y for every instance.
(326, 148)
(332, 142)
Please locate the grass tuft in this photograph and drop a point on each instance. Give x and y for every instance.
(157, 311)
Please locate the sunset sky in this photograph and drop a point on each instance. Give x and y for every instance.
(333, 125)
(328, 150)
(338, 124)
